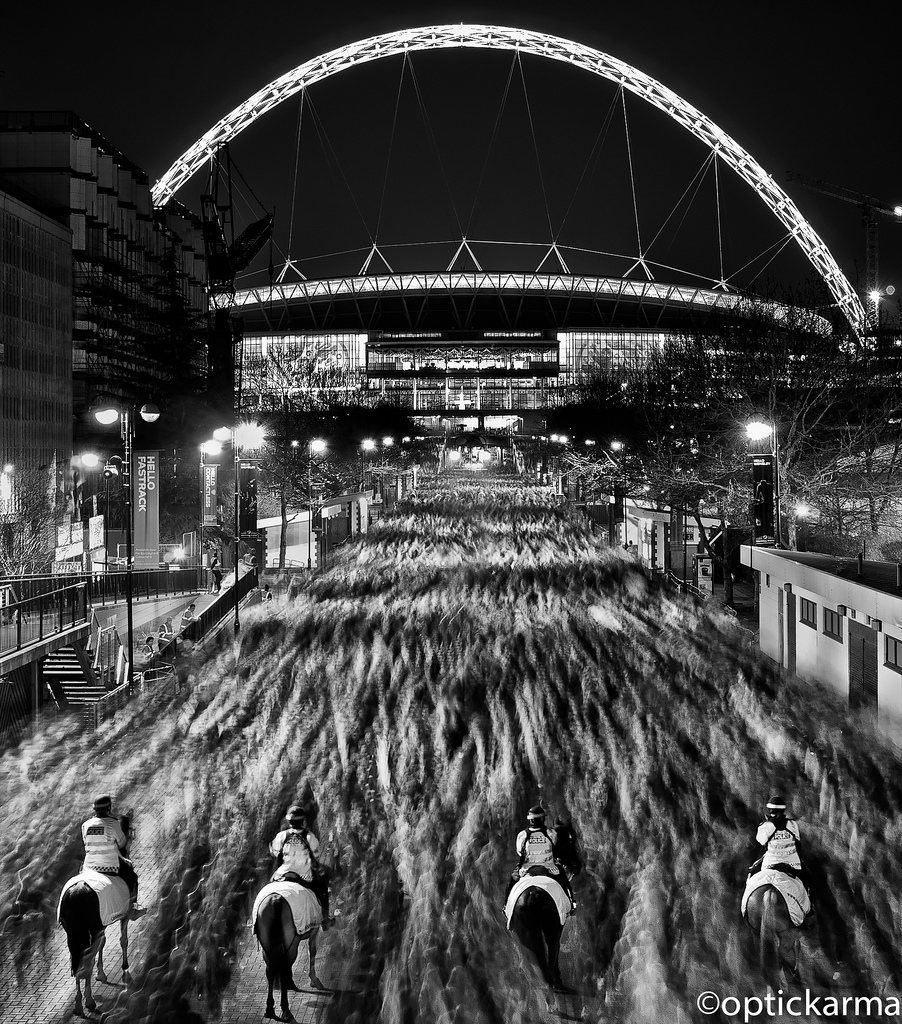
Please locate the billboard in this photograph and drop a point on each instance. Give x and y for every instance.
(146, 510)
(95, 533)
(209, 484)
(247, 499)
(763, 509)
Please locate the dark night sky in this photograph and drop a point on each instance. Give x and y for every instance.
(798, 87)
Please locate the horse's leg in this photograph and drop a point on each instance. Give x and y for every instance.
(311, 949)
(289, 947)
(291, 955)
(89, 995)
(270, 1002)
(123, 942)
(101, 974)
(553, 941)
(79, 1010)
(286, 983)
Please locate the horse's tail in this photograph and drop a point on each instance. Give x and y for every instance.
(534, 918)
(767, 930)
(270, 932)
(80, 917)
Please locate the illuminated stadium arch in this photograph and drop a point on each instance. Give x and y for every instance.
(542, 45)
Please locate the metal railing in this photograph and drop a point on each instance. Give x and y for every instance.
(36, 618)
(157, 669)
(110, 587)
(109, 654)
(222, 606)
(684, 586)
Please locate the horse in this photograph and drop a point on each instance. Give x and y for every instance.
(81, 916)
(280, 909)
(536, 922)
(768, 916)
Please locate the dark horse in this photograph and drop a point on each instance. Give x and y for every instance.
(535, 919)
(79, 914)
(768, 916)
(279, 940)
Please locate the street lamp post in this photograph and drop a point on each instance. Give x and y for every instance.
(107, 415)
(367, 445)
(318, 446)
(245, 435)
(758, 430)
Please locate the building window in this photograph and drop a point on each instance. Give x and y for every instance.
(808, 612)
(767, 579)
(833, 624)
(894, 653)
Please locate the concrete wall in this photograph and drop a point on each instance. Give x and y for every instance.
(820, 657)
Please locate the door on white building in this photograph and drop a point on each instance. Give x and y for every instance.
(780, 617)
(791, 624)
(862, 665)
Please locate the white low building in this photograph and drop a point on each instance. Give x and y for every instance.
(836, 621)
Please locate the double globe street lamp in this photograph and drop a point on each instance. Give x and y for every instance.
(316, 447)
(107, 414)
(245, 436)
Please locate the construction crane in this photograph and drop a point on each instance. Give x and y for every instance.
(870, 208)
(225, 260)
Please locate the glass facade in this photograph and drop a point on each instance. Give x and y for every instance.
(137, 272)
(457, 374)
(35, 336)
(611, 349)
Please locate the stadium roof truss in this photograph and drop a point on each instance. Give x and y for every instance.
(542, 45)
(278, 300)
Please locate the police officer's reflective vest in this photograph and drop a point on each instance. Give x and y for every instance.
(537, 846)
(780, 843)
(104, 843)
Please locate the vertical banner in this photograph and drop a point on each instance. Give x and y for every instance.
(247, 499)
(210, 475)
(146, 510)
(763, 517)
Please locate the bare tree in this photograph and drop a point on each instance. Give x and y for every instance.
(683, 416)
(32, 506)
(300, 397)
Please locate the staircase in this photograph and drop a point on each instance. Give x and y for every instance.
(70, 679)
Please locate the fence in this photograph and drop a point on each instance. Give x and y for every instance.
(684, 586)
(109, 656)
(110, 587)
(116, 700)
(224, 603)
(34, 618)
(158, 668)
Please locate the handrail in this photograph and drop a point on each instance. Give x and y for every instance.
(685, 586)
(111, 587)
(157, 669)
(35, 618)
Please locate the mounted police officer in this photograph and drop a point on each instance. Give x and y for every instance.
(536, 848)
(106, 840)
(780, 836)
(296, 849)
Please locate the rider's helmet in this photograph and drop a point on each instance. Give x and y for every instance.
(535, 816)
(776, 807)
(103, 804)
(295, 816)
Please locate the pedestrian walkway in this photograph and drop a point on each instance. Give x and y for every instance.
(147, 615)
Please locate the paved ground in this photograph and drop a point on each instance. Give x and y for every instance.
(45, 993)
